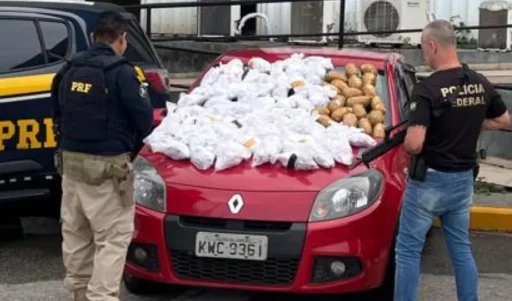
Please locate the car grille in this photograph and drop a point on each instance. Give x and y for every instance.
(220, 223)
(272, 272)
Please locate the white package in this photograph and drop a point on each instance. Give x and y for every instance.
(230, 154)
(238, 114)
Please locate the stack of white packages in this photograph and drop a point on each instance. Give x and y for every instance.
(243, 113)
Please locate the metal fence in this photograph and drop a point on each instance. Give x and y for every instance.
(341, 34)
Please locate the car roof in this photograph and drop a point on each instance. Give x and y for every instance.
(275, 53)
(66, 4)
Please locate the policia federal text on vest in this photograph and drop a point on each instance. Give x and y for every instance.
(418, 167)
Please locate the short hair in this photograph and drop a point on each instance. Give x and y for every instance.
(109, 26)
(442, 31)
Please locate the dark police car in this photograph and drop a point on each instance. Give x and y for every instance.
(36, 38)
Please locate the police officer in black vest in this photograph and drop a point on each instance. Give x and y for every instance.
(448, 111)
(102, 112)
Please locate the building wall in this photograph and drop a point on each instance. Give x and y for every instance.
(184, 20)
(170, 20)
(466, 9)
(443, 9)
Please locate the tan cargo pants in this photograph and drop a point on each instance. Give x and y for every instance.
(97, 223)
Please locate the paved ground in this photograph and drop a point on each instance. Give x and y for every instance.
(31, 269)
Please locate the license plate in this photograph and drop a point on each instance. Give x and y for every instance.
(232, 246)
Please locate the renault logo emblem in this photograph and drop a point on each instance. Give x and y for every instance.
(236, 203)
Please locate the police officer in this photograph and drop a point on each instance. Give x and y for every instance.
(446, 114)
(101, 111)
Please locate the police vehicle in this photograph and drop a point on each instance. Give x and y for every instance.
(37, 37)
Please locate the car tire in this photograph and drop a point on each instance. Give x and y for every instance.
(138, 286)
(11, 228)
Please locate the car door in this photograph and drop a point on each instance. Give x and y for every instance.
(497, 144)
(33, 49)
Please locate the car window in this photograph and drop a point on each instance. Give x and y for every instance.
(56, 40)
(496, 143)
(405, 84)
(20, 47)
(138, 50)
(403, 96)
(410, 80)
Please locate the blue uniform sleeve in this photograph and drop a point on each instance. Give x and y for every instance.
(133, 92)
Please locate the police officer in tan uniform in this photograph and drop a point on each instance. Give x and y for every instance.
(102, 112)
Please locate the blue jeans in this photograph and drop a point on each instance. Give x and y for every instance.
(448, 196)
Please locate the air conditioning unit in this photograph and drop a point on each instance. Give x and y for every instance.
(313, 17)
(390, 15)
(217, 20)
(495, 13)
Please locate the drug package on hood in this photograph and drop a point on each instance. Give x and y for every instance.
(265, 112)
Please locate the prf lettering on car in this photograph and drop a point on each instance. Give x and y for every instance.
(80, 87)
(28, 131)
(25, 113)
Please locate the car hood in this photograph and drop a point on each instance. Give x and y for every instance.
(268, 193)
(244, 177)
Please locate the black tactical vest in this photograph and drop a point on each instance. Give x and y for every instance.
(83, 97)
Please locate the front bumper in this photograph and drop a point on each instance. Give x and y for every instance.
(299, 255)
(285, 241)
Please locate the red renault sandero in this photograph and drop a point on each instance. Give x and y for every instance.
(283, 229)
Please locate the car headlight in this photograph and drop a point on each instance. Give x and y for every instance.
(149, 187)
(347, 196)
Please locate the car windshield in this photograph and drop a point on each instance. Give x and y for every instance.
(381, 86)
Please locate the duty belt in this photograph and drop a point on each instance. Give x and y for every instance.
(95, 169)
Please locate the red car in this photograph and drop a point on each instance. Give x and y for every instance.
(287, 235)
